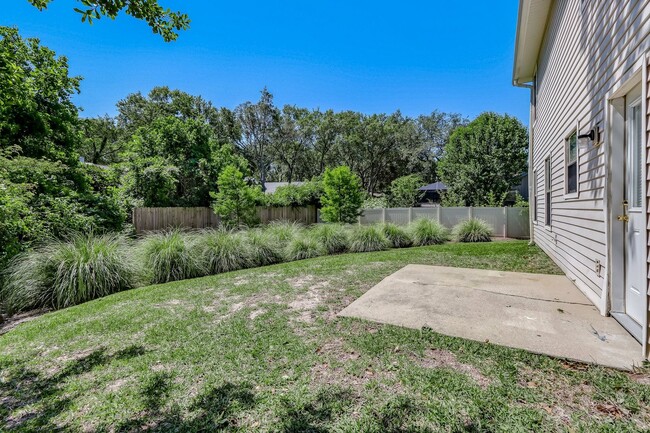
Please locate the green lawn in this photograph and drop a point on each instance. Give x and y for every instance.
(262, 350)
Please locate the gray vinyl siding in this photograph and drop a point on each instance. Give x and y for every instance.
(587, 48)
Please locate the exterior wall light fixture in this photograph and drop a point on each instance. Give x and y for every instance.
(592, 136)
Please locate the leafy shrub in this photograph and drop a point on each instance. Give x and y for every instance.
(223, 251)
(342, 195)
(375, 203)
(398, 237)
(264, 249)
(520, 201)
(294, 195)
(404, 191)
(333, 237)
(304, 246)
(62, 273)
(170, 256)
(368, 238)
(428, 232)
(472, 230)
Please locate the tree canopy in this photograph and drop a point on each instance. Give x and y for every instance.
(44, 190)
(484, 160)
(162, 21)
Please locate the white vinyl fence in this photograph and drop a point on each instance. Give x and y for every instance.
(507, 222)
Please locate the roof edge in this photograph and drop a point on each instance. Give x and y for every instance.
(531, 27)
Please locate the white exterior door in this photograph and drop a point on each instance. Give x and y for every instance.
(633, 217)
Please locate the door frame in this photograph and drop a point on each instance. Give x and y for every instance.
(615, 161)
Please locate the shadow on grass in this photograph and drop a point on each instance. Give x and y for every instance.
(39, 399)
(216, 409)
(314, 414)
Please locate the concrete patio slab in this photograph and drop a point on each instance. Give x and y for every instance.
(543, 314)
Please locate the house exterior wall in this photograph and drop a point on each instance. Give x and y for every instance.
(589, 49)
(647, 96)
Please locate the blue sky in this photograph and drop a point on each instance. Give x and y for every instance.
(368, 56)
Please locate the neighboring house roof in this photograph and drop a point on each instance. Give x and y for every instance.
(436, 186)
(271, 187)
(531, 26)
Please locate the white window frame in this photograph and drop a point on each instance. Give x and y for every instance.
(535, 198)
(568, 195)
(631, 160)
(548, 191)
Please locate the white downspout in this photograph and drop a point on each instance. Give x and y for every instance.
(531, 180)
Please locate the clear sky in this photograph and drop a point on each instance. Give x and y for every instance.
(370, 56)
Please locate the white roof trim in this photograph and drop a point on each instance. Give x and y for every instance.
(531, 26)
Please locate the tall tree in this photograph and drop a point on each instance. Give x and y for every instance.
(138, 110)
(103, 140)
(327, 131)
(292, 143)
(484, 160)
(258, 124)
(36, 109)
(42, 182)
(162, 21)
(434, 131)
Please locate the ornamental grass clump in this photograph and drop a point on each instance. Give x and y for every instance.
(223, 251)
(428, 232)
(304, 246)
(398, 236)
(283, 232)
(264, 249)
(62, 273)
(472, 230)
(333, 237)
(368, 238)
(170, 256)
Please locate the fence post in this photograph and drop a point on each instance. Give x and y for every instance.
(383, 215)
(505, 219)
(410, 215)
(438, 212)
(470, 212)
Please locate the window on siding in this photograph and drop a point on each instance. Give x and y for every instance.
(571, 179)
(535, 200)
(547, 190)
(636, 167)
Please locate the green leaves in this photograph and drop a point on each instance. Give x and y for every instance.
(404, 191)
(342, 196)
(36, 110)
(162, 21)
(236, 201)
(484, 160)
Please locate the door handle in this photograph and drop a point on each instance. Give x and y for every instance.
(625, 217)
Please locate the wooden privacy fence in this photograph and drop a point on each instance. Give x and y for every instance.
(505, 221)
(508, 222)
(161, 218)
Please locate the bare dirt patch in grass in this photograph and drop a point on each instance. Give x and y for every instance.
(307, 303)
(13, 321)
(565, 398)
(175, 305)
(332, 370)
(438, 358)
(240, 281)
(116, 385)
(256, 313)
